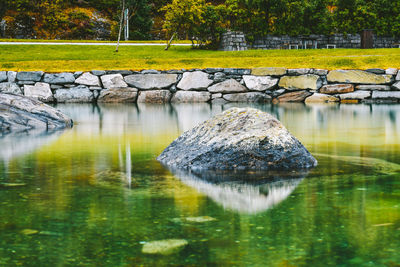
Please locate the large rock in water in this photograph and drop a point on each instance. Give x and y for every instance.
(20, 113)
(239, 138)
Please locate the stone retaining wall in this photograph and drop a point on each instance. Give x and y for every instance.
(322, 41)
(215, 85)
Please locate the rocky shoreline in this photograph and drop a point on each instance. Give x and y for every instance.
(215, 85)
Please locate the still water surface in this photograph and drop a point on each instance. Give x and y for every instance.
(95, 195)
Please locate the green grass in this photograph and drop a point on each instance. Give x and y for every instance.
(93, 41)
(73, 58)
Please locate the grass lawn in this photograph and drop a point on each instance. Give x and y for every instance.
(92, 41)
(73, 58)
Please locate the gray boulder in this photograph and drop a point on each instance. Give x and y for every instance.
(190, 96)
(391, 71)
(239, 139)
(113, 81)
(20, 113)
(39, 91)
(79, 94)
(118, 95)
(3, 76)
(59, 78)
(88, 79)
(357, 76)
(12, 76)
(196, 80)
(247, 97)
(308, 81)
(395, 95)
(396, 86)
(98, 72)
(373, 87)
(35, 76)
(259, 83)
(151, 81)
(154, 96)
(357, 95)
(228, 86)
(8, 87)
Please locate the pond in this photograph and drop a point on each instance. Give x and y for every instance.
(95, 195)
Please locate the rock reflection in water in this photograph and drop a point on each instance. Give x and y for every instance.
(14, 145)
(260, 192)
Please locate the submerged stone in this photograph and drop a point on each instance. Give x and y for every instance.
(29, 232)
(200, 219)
(164, 247)
(239, 138)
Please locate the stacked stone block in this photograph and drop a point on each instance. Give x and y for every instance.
(214, 85)
(233, 41)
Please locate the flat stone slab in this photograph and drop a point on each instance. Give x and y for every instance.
(358, 95)
(376, 71)
(357, 76)
(386, 95)
(151, 81)
(88, 79)
(298, 96)
(164, 247)
(79, 94)
(336, 88)
(39, 91)
(238, 139)
(247, 97)
(113, 81)
(118, 95)
(373, 87)
(320, 98)
(8, 87)
(191, 97)
(20, 113)
(196, 80)
(154, 96)
(228, 86)
(59, 78)
(259, 83)
(321, 72)
(300, 71)
(302, 82)
(35, 76)
(268, 71)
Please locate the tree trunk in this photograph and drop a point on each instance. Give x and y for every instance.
(120, 24)
(170, 41)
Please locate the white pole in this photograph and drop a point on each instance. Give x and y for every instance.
(126, 24)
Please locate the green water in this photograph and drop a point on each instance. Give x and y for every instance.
(94, 195)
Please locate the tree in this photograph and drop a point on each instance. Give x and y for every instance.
(196, 20)
(182, 16)
(140, 21)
